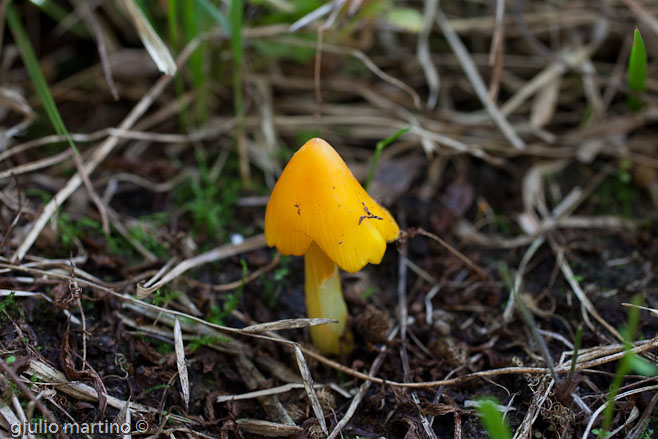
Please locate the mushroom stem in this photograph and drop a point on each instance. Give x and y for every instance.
(324, 299)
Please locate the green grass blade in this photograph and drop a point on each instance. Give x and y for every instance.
(637, 71)
(236, 16)
(625, 365)
(378, 152)
(34, 71)
(193, 20)
(493, 420)
(215, 14)
(175, 41)
(576, 348)
(172, 22)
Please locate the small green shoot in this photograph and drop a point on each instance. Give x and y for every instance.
(576, 348)
(629, 362)
(164, 348)
(43, 195)
(505, 274)
(209, 203)
(71, 230)
(157, 387)
(492, 419)
(624, 172)
(10, 359)
(217, 316)
(370, 290)
(8, 306)
(637, 71)
(272, 288)
(378, 152)
(141, 234)
(600, 433)
(205, 340)
(161, 298)
(282, 272)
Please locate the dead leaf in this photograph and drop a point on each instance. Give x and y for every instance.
(86, 376)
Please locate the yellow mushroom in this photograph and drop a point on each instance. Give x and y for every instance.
(318, 209)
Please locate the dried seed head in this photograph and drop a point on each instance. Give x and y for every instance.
(453, 353)
(374, 324)
(327, 399)
(314, 431)
(296, 412)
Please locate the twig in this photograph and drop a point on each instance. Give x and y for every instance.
(483, 274)
(518, 278)
(496, 51)
(265, 392)
(83, 173)
(402, 305)
(578, 291)
(616, 398)
(423, 53)
(310, 391)
(233, 285)
(89, 18)
(181, 365)
(36, 165)
(216, 254)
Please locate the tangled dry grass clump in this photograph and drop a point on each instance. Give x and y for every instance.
(136, 288)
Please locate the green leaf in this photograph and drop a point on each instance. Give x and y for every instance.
(637, 71)
(378, 152)
(641, 366)
(34, 71)
(492, 419)
(215, 13)
(408, 19)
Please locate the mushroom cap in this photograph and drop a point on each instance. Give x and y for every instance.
(318, 199)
